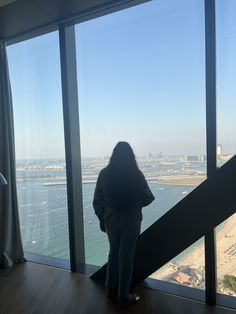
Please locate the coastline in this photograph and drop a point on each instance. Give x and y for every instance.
(184, 180)
(194, 261)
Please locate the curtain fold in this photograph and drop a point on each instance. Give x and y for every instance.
(11, 250)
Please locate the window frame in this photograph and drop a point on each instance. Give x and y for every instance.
(73, 162)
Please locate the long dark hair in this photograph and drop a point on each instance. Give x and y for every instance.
(122, 157)
(123, 176)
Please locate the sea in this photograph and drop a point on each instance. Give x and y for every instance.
(42, 201)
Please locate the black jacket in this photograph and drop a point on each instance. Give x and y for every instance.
(105, 204)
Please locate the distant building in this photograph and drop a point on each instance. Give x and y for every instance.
(225, 157)
(182, 278)
(149, 155)
(219, 150)
(203, 158)
(191, 158)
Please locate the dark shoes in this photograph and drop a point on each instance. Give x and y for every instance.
(132, 299)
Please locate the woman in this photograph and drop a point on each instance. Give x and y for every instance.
(120, 194)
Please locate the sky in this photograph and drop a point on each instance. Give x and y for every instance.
(141, 78)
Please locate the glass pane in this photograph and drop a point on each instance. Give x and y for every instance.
(226, 128)
(40, 166)
(226, 256)
(188, 268)
(141, 75)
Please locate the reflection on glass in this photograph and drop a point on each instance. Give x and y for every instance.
(141, 79)
(226, 95)
(40, 166)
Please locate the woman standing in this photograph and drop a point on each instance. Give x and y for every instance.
(120, 194)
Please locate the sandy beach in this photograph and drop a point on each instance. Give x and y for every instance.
(194, 261)
(184, 180)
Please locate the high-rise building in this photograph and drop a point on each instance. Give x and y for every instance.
(219, 150)
(149, 155)
(192, 158)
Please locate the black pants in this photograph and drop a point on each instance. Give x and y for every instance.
(123, 232)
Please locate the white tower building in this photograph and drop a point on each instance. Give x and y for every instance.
(219, 150)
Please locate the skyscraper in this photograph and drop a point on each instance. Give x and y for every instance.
(219, 150)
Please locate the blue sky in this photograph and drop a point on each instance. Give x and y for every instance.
(141, 78)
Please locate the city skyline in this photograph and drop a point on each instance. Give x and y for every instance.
(149, 154)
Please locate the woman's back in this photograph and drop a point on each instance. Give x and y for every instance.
(121, 192)
(121, 186)
(124, 187)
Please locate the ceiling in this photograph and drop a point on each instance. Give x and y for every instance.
(19, 17)
(5, 2)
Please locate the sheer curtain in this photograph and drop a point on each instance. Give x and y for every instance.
(11, 250)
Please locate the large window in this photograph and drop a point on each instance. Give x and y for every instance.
(142, 79)
(40, 166)
(226, 130)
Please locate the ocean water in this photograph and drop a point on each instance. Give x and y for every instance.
(44, 220)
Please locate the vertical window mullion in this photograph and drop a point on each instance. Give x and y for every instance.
(210, 41)
(72, 146)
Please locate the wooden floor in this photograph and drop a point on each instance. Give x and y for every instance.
(34, 288)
